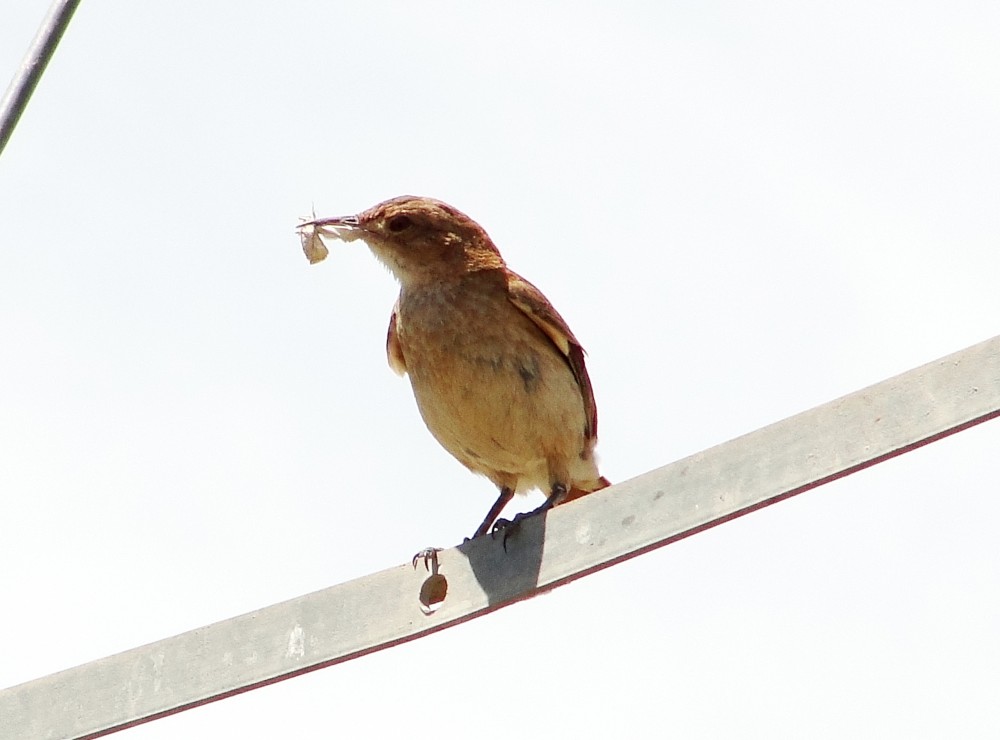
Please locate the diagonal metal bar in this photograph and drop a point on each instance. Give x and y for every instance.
(35, 61)
(383, 609)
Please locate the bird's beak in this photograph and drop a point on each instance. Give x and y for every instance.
(344, 228)
(347, 222)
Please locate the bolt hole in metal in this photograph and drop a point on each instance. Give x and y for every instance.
(432, 593)
(435, 586)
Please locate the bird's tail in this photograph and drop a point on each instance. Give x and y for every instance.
(574, 493)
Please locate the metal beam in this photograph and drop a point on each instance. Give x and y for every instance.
(384, 609)
(15, 100)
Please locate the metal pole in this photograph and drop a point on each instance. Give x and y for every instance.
(31, 69)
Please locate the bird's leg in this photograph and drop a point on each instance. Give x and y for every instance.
(557, 496)
(506, 494)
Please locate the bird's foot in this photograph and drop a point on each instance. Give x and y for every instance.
(430, 557)
(507, 526)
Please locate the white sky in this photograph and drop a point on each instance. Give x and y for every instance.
(743, 210)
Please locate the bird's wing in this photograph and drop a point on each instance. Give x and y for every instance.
(393, 347)
(536, 307)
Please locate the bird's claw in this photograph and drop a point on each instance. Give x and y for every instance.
(430, 557)
(499, 526)
(507, 526)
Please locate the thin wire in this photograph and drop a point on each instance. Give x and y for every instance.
(30, 72)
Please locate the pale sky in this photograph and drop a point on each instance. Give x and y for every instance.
(743, 211)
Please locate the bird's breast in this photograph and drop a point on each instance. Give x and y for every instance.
(490, 385)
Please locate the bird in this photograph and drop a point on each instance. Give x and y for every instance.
(499, 378)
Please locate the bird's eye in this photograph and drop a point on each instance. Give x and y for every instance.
(398, 223)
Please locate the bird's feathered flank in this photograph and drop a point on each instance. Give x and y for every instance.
(393, 347)
(536, 307)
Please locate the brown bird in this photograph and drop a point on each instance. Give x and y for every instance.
(498, 376)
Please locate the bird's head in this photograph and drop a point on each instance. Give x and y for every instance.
(418, 239)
